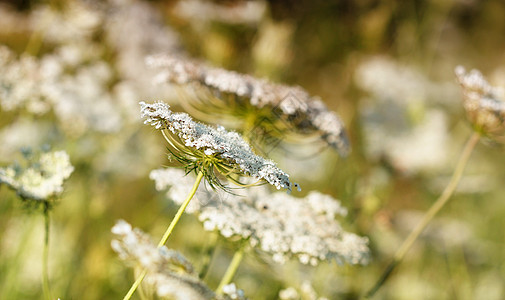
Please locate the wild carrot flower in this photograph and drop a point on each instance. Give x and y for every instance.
(304, 292)
(203, 148)
(40, 179)
(289, 109)
(42, 176)
(483, 103)
(170, 273)
(276, 223)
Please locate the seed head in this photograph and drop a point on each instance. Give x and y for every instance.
(483, 103)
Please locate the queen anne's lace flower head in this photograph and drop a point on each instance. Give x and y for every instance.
(169, 272)
(42, 179)
(275, 223)
(288, 105)
(230, 151)
(484, 104)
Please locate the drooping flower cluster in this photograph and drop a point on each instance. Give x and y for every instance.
(169, 272)
(290, 105)
(41, 179)
(483, 103)
(275, 223)
(224, 145)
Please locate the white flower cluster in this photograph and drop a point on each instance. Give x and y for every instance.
(249, 12)
(136, 29)
(401, 117)
(229, 146)
(305, 292)
(276, 223)
(292, 101)
(87, 90)
(40, 180)
(77, 23)
(484, 104)
(171, 274)
(232, 292)
(76, 91)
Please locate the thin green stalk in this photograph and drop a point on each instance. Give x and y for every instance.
(430, 214)
(168, 232)
(45, 274)
(232, 269)
(181, 210)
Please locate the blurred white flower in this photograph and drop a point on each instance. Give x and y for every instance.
(276, 223)
(42, 179)
(306, 292)
(243, 12)
(24, 132)
(171, 274)
(76, 22)
(401, 122)
(231, 291)
(483, 103)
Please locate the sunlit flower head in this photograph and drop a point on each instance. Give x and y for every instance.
(279, 110)
(203, 148)
(168, 271)
(276, 223)
(42, 176)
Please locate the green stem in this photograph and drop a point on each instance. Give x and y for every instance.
(45, 254)
(168, 232)
(430, 214)
(232, 269)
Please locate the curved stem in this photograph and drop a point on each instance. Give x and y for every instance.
(45, 254)
(167, 233)
(232, 269)
(430, 214)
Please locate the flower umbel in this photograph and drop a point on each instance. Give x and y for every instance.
(204, 148)
(483, 103)
(170, 273)
(42, 178)
(290, 109)
(275, 223)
